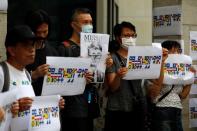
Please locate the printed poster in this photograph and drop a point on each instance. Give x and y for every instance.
(95, 46)
(192, 112)
(20, 121)
(194, 86)
(193, 44)
(143, 62)
(167, 20)
(66, 76)
(177, 70)
(44, 114)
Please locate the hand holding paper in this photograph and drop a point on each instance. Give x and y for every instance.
(2, 114)
(89, 77)
(40, 71)
(61, 103)
(109, 61)
(15, 108)
(122, 71)
(25, 103)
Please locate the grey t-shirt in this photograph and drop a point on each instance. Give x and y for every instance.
(122, 99)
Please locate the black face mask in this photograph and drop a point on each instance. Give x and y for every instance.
(41, 42)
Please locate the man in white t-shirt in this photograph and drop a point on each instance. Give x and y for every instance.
(20, 52)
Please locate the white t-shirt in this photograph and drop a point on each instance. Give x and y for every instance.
(18, 79)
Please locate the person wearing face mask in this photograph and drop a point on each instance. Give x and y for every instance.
(122, 113)
(80, 111)
(39, 22)
(124, 41)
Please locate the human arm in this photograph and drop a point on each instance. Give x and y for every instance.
(15, 108)
(40, 71)
(61, 103)
(185, 91)
(109, 61)
(156, 84)
(2, 114)
(114, 78)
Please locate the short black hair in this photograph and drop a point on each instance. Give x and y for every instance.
(169, 44)
(36, 18)
(119, 27)
(79, 11)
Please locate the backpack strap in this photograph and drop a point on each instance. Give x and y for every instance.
(28, 75)
(68, 49)
(6, 84)
(6, 76)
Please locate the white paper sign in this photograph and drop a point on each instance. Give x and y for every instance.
(44, 114)
(193, 112)
(21, 121)
(167, 20)
(95, 46)
(194, 86)
(65, 76)
(143, 62)
(3, 5)
(193, 44)
(177, 70)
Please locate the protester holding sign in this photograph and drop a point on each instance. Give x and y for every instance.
(120, 114)
(40, 24)
(20, 52)
(167, 114)
(81, 109)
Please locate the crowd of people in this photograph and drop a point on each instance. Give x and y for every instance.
(27, 47)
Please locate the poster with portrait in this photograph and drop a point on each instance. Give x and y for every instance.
(192, 112)
(193, 44)
(143, 62)
(177, 70)
(44, 114)
(66, 76)
(167, 20)
(95, 46)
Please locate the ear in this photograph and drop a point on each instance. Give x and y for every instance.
(11, 50)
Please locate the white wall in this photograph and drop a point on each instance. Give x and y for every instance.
(3, 30)
(138, 12)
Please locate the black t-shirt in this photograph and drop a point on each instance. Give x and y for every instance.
(77, 106)
(40, 59)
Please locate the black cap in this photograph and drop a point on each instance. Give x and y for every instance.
(17, 34)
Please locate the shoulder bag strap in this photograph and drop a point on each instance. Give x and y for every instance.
(166, 94)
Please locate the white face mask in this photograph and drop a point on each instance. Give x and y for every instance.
(87, 28)
(126, 42)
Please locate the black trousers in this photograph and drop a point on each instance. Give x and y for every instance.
(123, 121)
(76, 124)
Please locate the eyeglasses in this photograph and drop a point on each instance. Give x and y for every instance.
(129, 35)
